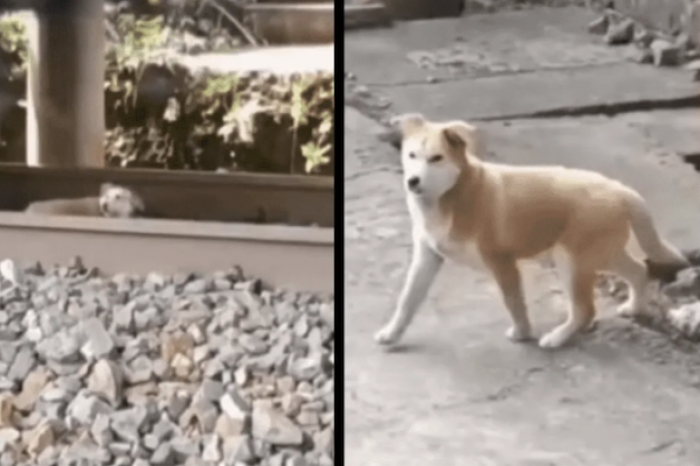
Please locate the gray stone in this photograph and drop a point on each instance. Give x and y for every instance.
(106, 380)
(306, 368)
(238, 449)
(211, 448)
(98, 342)
(599, 26)
(163, 455)
(252, 344)
(100, 430)
(209, 390)
(22, 364)
(272, 426)
(184, 447)
(62, 347)
(127, 423)
(123, 318)
(665, 53)
(85, 407)
(620, 33)
(140, 370)
(235, 406)
(687, 284)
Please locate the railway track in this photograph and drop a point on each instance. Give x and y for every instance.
(279, 228)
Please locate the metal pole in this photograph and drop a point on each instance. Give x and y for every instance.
(65, 90)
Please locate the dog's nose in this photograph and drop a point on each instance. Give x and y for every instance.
(413, 182)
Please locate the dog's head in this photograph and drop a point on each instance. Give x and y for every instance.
(433, 155)
(119, 202)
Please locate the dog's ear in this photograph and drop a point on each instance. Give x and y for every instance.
(408, 123)
(461, 135)
(104, 187)
(138, 203)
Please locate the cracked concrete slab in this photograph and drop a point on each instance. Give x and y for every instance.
(459, 393)
(543, 57)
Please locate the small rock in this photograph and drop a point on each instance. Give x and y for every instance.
(599, 26)
(621, 33)
(23, 363)
(6, 410)
(686, 318)
(252, 344)
(106, 380)
(100, 430)
(173, 344)
(39, 438)
(238, 450)
(182, 366)
(226, 427)
(324, 441)
(235, 406)
(163, 455)
(127, 423)
(307, 368)
(32, 387)
(201, 414)
(209, 390)
(687, 284)
(211, 450)
(644, 56)
(272, 426)
(665, 53)
(643, 38)
(84, 408)
(184, 447)
(98, 342)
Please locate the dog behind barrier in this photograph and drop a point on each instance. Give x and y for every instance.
(114, 201)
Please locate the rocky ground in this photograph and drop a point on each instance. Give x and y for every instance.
(162, 370)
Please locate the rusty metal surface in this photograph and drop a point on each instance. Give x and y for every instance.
(231, 197)
(291, 257)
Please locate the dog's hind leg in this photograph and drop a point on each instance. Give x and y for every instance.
(634, 272)
(581, 313)
(507, 275)
(425, 265)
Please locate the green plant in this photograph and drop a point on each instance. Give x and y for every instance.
(13, 39)
(141, 39)
(299, 111)
(315, 155)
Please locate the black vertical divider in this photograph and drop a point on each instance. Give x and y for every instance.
(339, 336)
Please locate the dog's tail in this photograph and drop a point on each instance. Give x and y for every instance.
(663, 259)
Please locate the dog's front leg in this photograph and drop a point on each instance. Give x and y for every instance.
(425, 265)
(505, 271)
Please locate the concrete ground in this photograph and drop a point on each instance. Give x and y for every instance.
(457, 392)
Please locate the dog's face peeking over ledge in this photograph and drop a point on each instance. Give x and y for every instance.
(119, 202)
(433, 155)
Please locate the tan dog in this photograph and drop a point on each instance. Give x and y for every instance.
(114, 201)
(494, 215)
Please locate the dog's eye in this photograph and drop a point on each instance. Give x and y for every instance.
(411, 155)
(435, 158)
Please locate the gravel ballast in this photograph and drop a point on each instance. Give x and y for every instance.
(162, 370)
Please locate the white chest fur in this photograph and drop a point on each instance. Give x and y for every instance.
(430, 227)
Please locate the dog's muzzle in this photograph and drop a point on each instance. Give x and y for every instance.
(413, 184)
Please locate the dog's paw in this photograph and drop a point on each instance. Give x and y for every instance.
(552, 340)
(518, 334)
(387, 336)
(628, 309)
